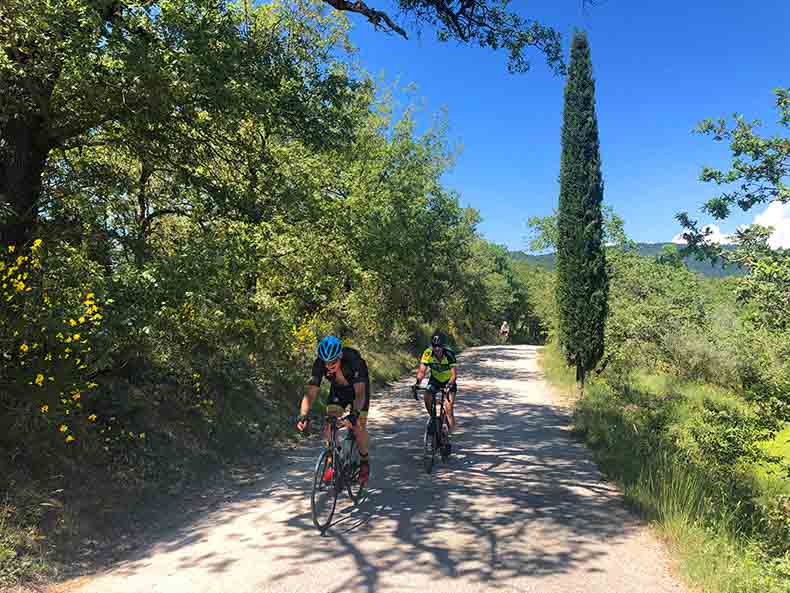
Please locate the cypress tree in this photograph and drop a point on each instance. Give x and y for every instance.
(582, 281)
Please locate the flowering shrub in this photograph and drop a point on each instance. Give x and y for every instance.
(47, 326)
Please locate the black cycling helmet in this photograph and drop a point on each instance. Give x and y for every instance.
(436, 340)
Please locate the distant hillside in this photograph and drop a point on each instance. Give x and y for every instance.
(705, 268)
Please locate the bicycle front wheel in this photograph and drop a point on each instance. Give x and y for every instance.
(444, 438)
(325, 491)
(429, 450)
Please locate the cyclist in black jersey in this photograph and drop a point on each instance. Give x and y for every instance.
(347, 373)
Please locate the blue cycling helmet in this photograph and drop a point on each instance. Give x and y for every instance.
(329, 348)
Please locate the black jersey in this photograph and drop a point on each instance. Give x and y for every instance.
(352, 365)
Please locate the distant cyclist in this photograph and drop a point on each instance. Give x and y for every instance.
(504, 331)
(441, 361)
(347, 373)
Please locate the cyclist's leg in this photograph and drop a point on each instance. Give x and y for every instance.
(449, 406)
(430, 396)
(361, 428)
(363, 439)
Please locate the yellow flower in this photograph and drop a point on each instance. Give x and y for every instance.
(76, 337)
(92, 417)
(36, 244)
(44, 409)
(69, 438)
(92, 385)
(39, 379)
(11, 248)
(20, 286)
(63, 428)
(81, 320)
(24, 347)
(76, 395)
(89, 296)
(72, 322)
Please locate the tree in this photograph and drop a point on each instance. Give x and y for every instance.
(544, 231)
(487, 23)
(153, 76)
(582, 280)
(760, 169)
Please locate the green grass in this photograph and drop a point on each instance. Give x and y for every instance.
(637, 434)
(562, 377)
(770, 477)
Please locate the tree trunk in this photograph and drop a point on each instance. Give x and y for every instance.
(21, 167)
(580, 377)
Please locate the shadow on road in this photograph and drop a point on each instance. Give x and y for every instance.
(520, 496)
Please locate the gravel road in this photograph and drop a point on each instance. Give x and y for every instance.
(519, 508)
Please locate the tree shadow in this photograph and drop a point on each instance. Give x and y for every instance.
(520, 497)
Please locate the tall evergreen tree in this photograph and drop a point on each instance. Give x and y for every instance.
(582, 281)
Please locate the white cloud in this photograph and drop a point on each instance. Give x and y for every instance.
(716, 236)
(777, 215)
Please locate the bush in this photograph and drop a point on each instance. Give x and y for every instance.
(51, 344)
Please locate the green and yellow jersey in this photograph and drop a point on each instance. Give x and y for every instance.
(440, 370)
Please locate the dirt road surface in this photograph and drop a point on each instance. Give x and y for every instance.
(519, 508)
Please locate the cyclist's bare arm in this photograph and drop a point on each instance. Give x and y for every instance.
(308, 399)
(421, 370)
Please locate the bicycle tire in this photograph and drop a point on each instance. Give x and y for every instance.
(444, 441)
(429, 450)
(322, 517)
(355, 490)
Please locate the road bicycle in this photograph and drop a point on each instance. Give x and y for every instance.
(337, 469)
(437, 429)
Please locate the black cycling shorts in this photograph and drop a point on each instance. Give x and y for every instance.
(435, 386)
(342, 396)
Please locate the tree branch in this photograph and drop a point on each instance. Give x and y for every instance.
(379, 19)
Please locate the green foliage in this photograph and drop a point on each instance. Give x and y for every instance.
(545, 233)
(50, 344)
(653, 309)
(483, 22)
(218, 190)
(582, 282)
(759, 172)
(680, 458)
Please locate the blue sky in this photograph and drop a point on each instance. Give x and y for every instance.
(660, 67)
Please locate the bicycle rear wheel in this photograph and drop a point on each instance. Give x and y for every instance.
(355, 489)
(429, 450)
(324, 496)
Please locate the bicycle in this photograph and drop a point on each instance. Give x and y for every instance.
(342, 455)
(435, 439)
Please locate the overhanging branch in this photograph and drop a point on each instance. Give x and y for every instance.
(379, 19)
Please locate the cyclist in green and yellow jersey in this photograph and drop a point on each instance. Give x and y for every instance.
(441, 362)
